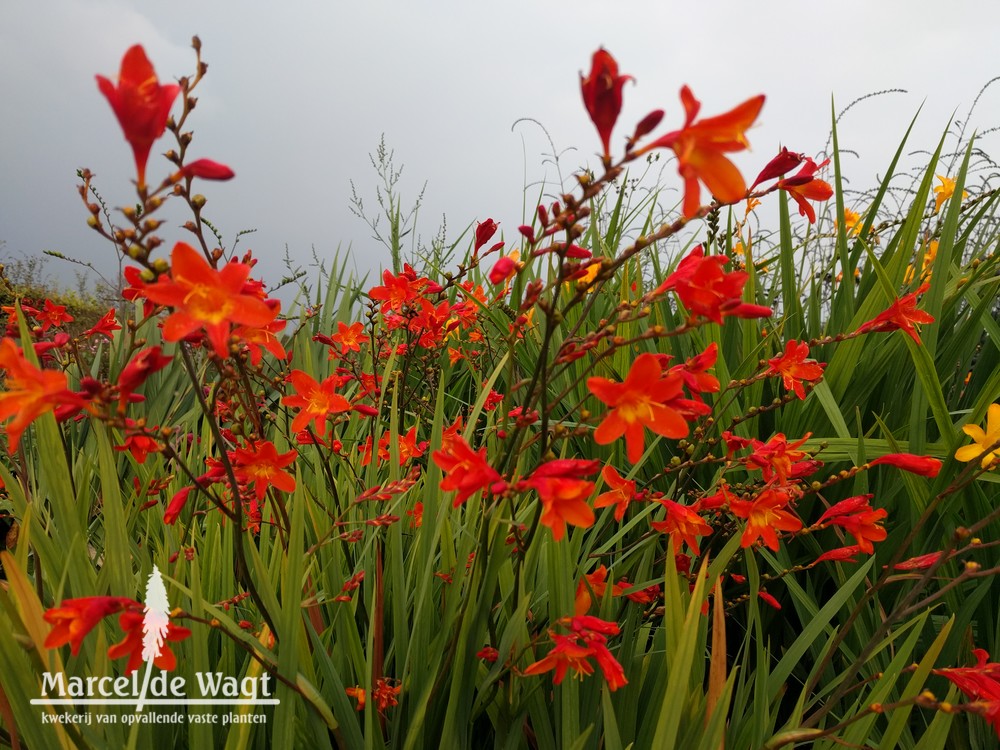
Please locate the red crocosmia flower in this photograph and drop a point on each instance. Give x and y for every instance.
(647, 595)
(176, 505)
(794, 367)
(74, 618)
(700, 147)
(140, 446)
(781, 164)
(350, 337)
(484, 232)
(857, 517)
(488, 653)
(707, 291)
(622, 492)
(204, 298)
(768, 599)
(53, 315)
(567, 654)
(140, 103)
(503, 269)
(29, 392)
(206, 169)
(315, 401)
(804, 187)
(925, 466)
(260, 464)
(105, 326)
(766, 515)
(645, 126)
(694, 371)
(465, 470)
(134, 374)
(640, 401)
(777, 458)
(602, 95)
(841, 554)
(397, 291)
(132, 644)
(980, 683)
(682, 523)
(385, 694)
(563, 494)
(722, 498)
(920, 562)
(901, 315)
(136, 289)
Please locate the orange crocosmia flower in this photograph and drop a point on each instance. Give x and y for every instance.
(409, 448)
(602, 95)
(350, 337)
(640, 401)
(132, 644)
(466, 471)
(777, 458)
(563, 493)
(700, 147)
(358, 693)
(620, 495)
(596, 582)
(901, 315)
(205, 298)
(29, 392)
(140, 103)
(265, 337)
(683, 523)
(794, 367)
(766, 515)
(707, 291)
(315, 401)
(74, 618)
(857, 517)
(260, 464)
(804, 187)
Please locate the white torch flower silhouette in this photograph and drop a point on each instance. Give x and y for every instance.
(155, 624)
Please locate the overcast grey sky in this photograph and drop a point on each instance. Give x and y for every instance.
(298, 94)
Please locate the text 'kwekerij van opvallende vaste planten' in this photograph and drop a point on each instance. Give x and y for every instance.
(735, 483)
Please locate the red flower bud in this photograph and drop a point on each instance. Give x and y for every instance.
(207, 169)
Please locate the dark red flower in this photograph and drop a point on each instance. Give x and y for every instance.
(602, 95)
(206, 169)
(781, 164)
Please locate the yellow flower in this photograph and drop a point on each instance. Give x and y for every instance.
(983, 440)
(944, 191)
(925, 268)
(587, 278)
(738, 249)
